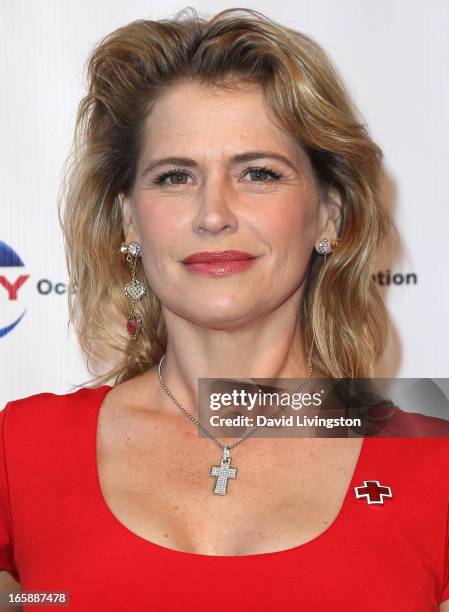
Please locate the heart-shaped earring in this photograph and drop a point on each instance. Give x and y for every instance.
(134, 325)
(134, 289)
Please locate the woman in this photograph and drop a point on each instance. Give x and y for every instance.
(221, 217)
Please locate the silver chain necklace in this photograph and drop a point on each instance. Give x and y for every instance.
(223, 472)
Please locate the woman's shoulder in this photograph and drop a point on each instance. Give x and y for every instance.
(50, 409)
(53, 407)
(423, 460)
(49, 398)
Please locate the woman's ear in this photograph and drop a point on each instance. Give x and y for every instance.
(130, 232)
(330, 216)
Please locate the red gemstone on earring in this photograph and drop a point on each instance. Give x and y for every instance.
(134, 324)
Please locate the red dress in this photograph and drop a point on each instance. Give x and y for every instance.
(57, 533)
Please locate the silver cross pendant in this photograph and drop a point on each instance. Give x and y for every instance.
(223, 472)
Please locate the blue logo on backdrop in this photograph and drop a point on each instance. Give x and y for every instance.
(10, 259)
(12, 279)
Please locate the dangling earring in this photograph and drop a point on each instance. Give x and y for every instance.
(134, 289)
(326, 247)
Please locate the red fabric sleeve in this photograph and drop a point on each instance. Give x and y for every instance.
(7, 562)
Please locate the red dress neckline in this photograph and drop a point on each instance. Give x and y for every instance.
(101, 393)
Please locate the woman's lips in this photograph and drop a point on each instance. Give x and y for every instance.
(220, 268)
(219, 263)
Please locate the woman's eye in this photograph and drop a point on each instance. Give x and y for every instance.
(178, 174)
(264, 174)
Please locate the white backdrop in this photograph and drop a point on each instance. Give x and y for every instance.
(394, 58)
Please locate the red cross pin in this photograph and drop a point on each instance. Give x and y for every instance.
(373, 491)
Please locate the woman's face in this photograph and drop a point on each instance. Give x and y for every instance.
(266, 204)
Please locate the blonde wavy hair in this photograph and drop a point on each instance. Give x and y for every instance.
(343, 318)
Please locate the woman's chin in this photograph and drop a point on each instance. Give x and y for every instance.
(219, 316)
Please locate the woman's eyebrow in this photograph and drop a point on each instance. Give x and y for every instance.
(237, 158)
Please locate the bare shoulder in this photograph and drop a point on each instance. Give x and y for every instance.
(125, 408)
(135, 393)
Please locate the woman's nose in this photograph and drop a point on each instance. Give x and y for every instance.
(216, 209)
